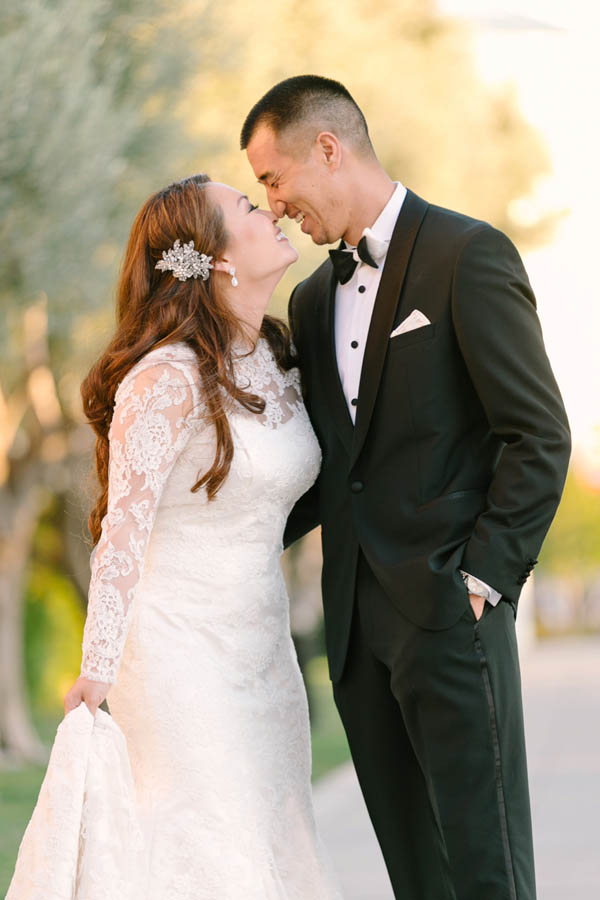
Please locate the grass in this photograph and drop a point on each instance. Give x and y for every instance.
(19, 788)
(18, 793)
(329, 744)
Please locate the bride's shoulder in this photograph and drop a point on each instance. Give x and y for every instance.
(178, 352)
(166, 363)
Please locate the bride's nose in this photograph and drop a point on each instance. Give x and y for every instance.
(271, 216)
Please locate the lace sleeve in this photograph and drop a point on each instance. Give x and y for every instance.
(156, 410)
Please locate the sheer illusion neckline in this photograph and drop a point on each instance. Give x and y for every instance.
(242, 349)
(260, 373)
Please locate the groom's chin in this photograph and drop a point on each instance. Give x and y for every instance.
(322, 235)
(314, 230)
(319, 238)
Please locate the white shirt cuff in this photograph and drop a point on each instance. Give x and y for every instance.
(494, 597)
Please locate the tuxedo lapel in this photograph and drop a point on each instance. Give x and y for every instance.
(392, 278)
(331, 383)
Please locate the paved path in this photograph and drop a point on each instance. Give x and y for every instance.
(561, 689)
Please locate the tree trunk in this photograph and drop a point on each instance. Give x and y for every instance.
(75, 562)
(18, 739)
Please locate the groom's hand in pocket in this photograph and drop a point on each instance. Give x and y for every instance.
(84, 689)
(478, 604)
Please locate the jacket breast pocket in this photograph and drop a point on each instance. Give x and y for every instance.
(416, 336)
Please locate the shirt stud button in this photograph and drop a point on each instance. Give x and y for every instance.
(361, 289)
(354, 401)
(354, 344)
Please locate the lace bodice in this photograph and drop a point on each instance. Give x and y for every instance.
(158, 410)
(188, 620)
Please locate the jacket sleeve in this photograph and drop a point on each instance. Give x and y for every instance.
(500, 338)
(305, 514)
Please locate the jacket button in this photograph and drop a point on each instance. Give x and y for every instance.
(356, 487)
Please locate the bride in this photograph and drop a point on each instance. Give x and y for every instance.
(203, 447)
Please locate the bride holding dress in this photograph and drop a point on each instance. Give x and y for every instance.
(203, 447)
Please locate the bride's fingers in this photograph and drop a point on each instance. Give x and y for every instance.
(92, 706)
(94, 694)
(71, 701)
(93, 700)
(90, 692)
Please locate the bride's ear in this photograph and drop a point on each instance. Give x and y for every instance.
(222, 265)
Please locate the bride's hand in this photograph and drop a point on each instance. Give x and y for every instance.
(92, 692)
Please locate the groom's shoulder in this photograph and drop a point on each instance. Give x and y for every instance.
(317, 280)
(446, 235)
(451, 235)
(313, 286)
(453, 224)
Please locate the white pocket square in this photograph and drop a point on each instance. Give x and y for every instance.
(417, 319)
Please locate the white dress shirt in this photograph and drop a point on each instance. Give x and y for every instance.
(354, 302)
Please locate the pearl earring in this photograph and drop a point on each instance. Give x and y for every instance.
(234, 281)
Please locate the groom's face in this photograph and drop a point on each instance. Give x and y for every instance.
(300, 185)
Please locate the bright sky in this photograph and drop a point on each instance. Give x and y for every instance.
(550, 51)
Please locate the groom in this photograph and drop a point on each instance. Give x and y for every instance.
(445, 449)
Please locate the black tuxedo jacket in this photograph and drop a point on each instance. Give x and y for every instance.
(461, 444)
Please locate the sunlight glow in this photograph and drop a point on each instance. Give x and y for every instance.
(548, 51)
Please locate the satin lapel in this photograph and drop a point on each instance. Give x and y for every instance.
(330, 376)
(403, 238)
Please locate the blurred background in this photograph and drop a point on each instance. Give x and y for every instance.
(486, 107)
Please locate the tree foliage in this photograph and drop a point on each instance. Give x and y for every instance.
(104, 102)
(435, 125)
(88, 127)
(573, 542)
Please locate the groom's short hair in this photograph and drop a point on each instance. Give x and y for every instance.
(305, 105)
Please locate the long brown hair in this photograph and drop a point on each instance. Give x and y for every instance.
(154, 309)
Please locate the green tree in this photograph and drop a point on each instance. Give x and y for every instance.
(573, 542)
(89, 122)
(104, 102)
(435, 125)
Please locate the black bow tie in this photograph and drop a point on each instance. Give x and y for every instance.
(344, 263)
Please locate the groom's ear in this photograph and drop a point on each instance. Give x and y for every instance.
(329, 150)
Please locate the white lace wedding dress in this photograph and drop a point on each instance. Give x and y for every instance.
(188, 618)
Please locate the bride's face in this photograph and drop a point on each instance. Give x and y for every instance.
(257, 247)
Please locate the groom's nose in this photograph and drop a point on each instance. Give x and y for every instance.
(277, 206)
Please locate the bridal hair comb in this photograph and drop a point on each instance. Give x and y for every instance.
(185, 262)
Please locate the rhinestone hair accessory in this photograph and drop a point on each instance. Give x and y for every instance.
(185, 262)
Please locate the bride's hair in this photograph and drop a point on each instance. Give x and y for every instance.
(155, 309)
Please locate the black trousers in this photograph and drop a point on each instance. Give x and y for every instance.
(435, 725)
